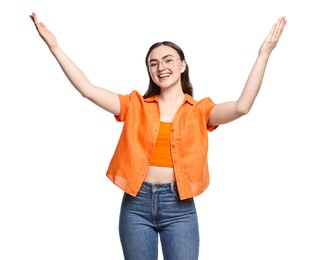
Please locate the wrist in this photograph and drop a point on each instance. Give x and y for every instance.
(263, 55)
(54, 49)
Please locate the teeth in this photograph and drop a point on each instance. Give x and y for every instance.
(164, 75)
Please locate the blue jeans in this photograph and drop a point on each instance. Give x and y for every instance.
(155, 210)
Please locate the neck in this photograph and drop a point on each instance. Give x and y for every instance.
(171, 96)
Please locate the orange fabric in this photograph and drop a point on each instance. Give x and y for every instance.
(161, 155)
(189, 143)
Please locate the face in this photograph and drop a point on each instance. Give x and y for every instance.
(165, 67)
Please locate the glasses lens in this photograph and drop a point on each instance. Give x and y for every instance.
(167, 63)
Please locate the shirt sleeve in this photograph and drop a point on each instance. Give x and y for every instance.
(209, 104)
(124, 104)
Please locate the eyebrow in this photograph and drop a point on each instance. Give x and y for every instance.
(165, 56)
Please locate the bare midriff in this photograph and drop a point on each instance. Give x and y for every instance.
(157, 174)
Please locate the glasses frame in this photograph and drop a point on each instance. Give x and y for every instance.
(155, 67)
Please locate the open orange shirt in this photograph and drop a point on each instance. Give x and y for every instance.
(189, 143)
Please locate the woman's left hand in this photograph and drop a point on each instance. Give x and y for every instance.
(273, 38)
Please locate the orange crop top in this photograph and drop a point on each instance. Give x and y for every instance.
(162, 153)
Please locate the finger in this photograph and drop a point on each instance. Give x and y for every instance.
(283, 24)
(35, 18)
(43, 26)
(280, 26)
(32, 18)
(274, 31)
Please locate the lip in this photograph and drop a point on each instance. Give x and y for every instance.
(164, 75)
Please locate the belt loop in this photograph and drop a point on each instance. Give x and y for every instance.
(172, 186)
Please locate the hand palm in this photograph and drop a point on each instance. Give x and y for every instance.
(45, 34)
(272, 39)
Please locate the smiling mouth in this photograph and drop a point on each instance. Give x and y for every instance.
(164, 75)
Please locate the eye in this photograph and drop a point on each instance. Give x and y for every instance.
(168, 61)
(153, 64)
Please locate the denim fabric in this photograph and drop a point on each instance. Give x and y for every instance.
(155, 210)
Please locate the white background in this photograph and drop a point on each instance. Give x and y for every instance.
(55, 200)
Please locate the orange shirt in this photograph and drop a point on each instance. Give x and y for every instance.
(189, 143)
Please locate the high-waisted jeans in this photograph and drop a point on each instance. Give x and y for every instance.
(155, 210)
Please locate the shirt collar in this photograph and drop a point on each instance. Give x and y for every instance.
(187, 99)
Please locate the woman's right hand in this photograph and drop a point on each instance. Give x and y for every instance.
(45, 34)
(100, 96)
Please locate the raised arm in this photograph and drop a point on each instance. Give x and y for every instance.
(101, 97)
(229, 111)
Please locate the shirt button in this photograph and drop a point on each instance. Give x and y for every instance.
(172, 130)
(173, 146)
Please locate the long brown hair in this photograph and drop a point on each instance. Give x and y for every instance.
(154, 89)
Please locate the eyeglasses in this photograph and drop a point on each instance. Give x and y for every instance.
(167, 63)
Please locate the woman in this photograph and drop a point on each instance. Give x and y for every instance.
(160, 161)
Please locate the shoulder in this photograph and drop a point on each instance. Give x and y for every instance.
(128, 101)
(128, 98)
(204, 102)
(132, 94)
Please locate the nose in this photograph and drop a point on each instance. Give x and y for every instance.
(160, 66)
